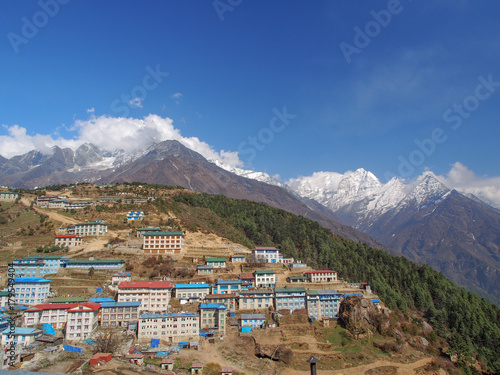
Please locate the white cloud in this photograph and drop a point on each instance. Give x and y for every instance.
(112, 133)
(463, 179)
(136, 102)
(91, 110)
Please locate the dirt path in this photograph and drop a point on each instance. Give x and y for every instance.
(402, 368)
(51, 214)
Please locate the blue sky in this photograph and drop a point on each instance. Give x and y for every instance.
(413, 78)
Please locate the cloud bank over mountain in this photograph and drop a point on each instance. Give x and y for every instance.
(112, 133)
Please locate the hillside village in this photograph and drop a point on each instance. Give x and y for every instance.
(142, 288)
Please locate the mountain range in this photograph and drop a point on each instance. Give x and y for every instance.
(455, 233)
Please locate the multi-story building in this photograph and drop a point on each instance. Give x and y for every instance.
(153, 295)
(119, 314)
(96, 264)
(20, 336)
(77, 205)
(8, 196)
(95, 228)
(57, 203)
(163, 242)
(216, 262)
(68, 240)
(43, 201)
(252, 320)
(193, 292)
(213, 317)
(321, 276)
(292, 298)
(82, 321)
(323, 303)
(55, 314)
(223, 286)
(31, 290)
(229, 300)
(39, 265)
(264, 278)
(256, 299)
(170, 327)
(266, 254)
(28, 268)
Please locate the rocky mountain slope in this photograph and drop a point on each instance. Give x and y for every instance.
(168, 163)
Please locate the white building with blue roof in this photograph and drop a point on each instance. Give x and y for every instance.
(193, 292)
(31, 290)
(20, 336)
(169, 327)
(119, 314)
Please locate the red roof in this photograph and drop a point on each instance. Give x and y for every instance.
(145, 284)
(226, 369)
(322, 271)
(136, 356)
(196, 365)
(85, 306)
(167, 361)
(246, 276)
(69, 236)
(229, 295)
(53, 306)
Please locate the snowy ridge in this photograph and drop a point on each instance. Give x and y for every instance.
(253, 175)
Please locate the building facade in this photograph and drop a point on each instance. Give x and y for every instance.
(266, 254)
(68, 240)
(265, 278)
(229, 300)
(8, 196)
(213, 317)
(216, 262)
(323, 303)
(291, 298)
(82, 321)
(153, 295)
(119, 314)
(31, 290)
(96, 264)
(252, 320)
(170, 327)
(194, 291)
(88, 229)
(321, 276)
(163, 242)
(256, 299)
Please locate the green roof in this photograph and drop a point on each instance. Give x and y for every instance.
(45, 257)
(290, 289)
(311, 292)
(91, 223)
(164, 234)
(149, 229)
(67, 299)
(4, 294)
(263, 272)
(95, 261)
(216, 259)
(298, 278)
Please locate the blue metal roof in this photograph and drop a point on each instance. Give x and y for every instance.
(174, 315)
(190, 286)
(228, 281)
(31, 280)
(101, 300)
(217, 306)
(121, 304)
(22, 331)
